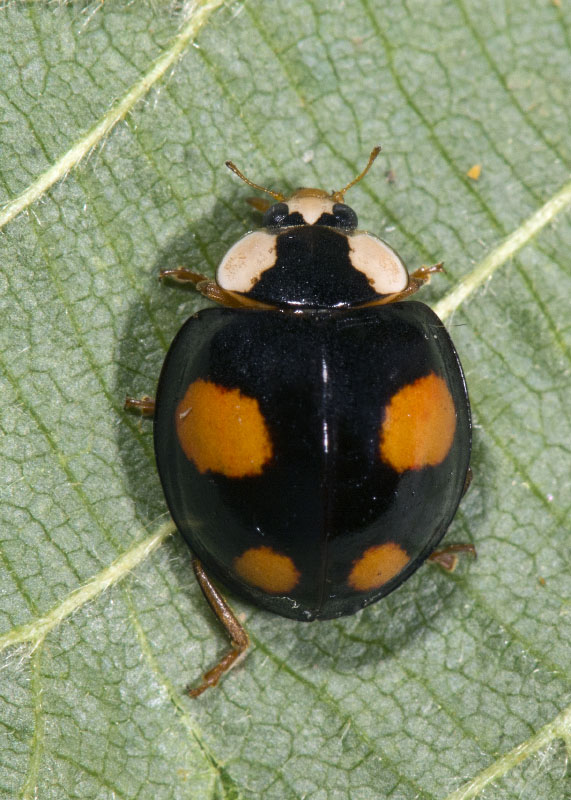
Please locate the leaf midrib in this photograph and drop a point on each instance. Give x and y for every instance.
(549, 320)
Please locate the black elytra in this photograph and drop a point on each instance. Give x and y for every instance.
(312, 435)
(322, 383)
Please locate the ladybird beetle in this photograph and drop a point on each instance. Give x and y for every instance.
(312, 434)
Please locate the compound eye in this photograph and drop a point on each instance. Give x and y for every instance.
(345, 217)
(275, 216)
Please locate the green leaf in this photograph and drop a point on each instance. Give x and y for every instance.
(115, 122)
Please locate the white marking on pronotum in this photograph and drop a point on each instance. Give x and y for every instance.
(243, 265)
(378, 261)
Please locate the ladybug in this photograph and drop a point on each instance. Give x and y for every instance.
(312, 433)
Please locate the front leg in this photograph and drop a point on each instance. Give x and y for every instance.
(416, 280)
(183, 276)
(210, 289)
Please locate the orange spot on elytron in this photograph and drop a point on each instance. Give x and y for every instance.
(222, 430)
(377, 565)
(267, 570)
(419, 425)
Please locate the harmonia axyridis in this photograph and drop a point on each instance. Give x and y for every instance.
(312, 435)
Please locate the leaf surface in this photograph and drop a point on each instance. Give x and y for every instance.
(115, 122)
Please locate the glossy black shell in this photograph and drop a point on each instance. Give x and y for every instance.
(322, 380)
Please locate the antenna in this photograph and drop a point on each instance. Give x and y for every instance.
(338, 196)
(279, 197)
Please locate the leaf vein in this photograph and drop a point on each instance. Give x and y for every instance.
(324, 696)
(558, 728)
(176, 700)
(29, 790)
(507, 249)
(35, 631)
(510, 96)
(197, 15)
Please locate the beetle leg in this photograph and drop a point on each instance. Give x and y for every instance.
(182, 275)
(237, 633)
(204, 285)
(423, 273)
(447, 558)
(145, 406)
(210, 289)
(214, 292)
(416, 280)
